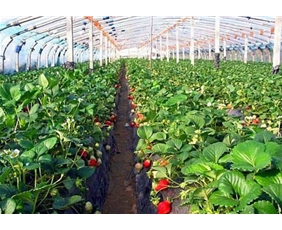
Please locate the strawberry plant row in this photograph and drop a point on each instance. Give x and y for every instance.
(212, 135)
(53, 124)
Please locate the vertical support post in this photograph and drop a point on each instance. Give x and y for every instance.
(91, 47)
(106, 50)
(17, 62)
(1, 56)
(224, 50)
(210, 57)
(192, 48)
(151, 43)
(39, 58)
(177, 45)
(109, 52)
(101, 48)
(70, 57)
(2, 59)
(199, 52)
(277, 44)
(47, 58)
(183, 55)
(128, 52)
(54, 56)
(161, 48)
(28, 67)
(246, 50)
(115, 54)
(217, 53)
(167, 48)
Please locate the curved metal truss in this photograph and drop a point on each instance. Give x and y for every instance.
(128, 32)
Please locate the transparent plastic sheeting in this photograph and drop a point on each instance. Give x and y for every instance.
(31, 36)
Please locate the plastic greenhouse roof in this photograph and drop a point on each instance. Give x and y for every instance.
(134, 31)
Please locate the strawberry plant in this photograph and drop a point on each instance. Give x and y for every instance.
(218, 132)
(48, 137)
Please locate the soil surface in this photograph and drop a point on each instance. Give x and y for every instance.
(121, 197)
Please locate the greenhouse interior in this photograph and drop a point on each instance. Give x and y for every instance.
(140, 115)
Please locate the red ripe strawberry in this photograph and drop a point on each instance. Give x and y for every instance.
(146, 163)
(26, 109)
(108, 123)
(113, 118)
(164, 207)
(163, 162)
(162, 185)
(149, 147)
(132, 124)
(133, 106)
(116, 86)
(255, 121)
(131, 89)
(93, 162)
(140, 116)
(96, 119)
(83, 153)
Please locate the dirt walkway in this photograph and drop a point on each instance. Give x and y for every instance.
(121, 198)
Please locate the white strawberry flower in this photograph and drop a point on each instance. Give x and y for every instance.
(15, 153)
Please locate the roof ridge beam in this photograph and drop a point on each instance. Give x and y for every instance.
(163, 32)
(97, 24)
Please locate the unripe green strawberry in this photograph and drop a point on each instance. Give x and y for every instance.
(54, 192)
(88, 207)
(108, 147)
(138, 167)
(99, 153)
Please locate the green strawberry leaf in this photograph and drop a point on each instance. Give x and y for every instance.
(160, 136)
(10, 206)
(176, 99)
(213, 152)
(64, 203)
(160, 148)
(200, 168)
(220, 198)
(250, 156)
(249, 209)
(264, 136)
(265, 207)
(86, 172)
(264, 179)
(275, 192)
(175, 143)
(198, 120)
(249, 192)
(145, 132)
(42, 81)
